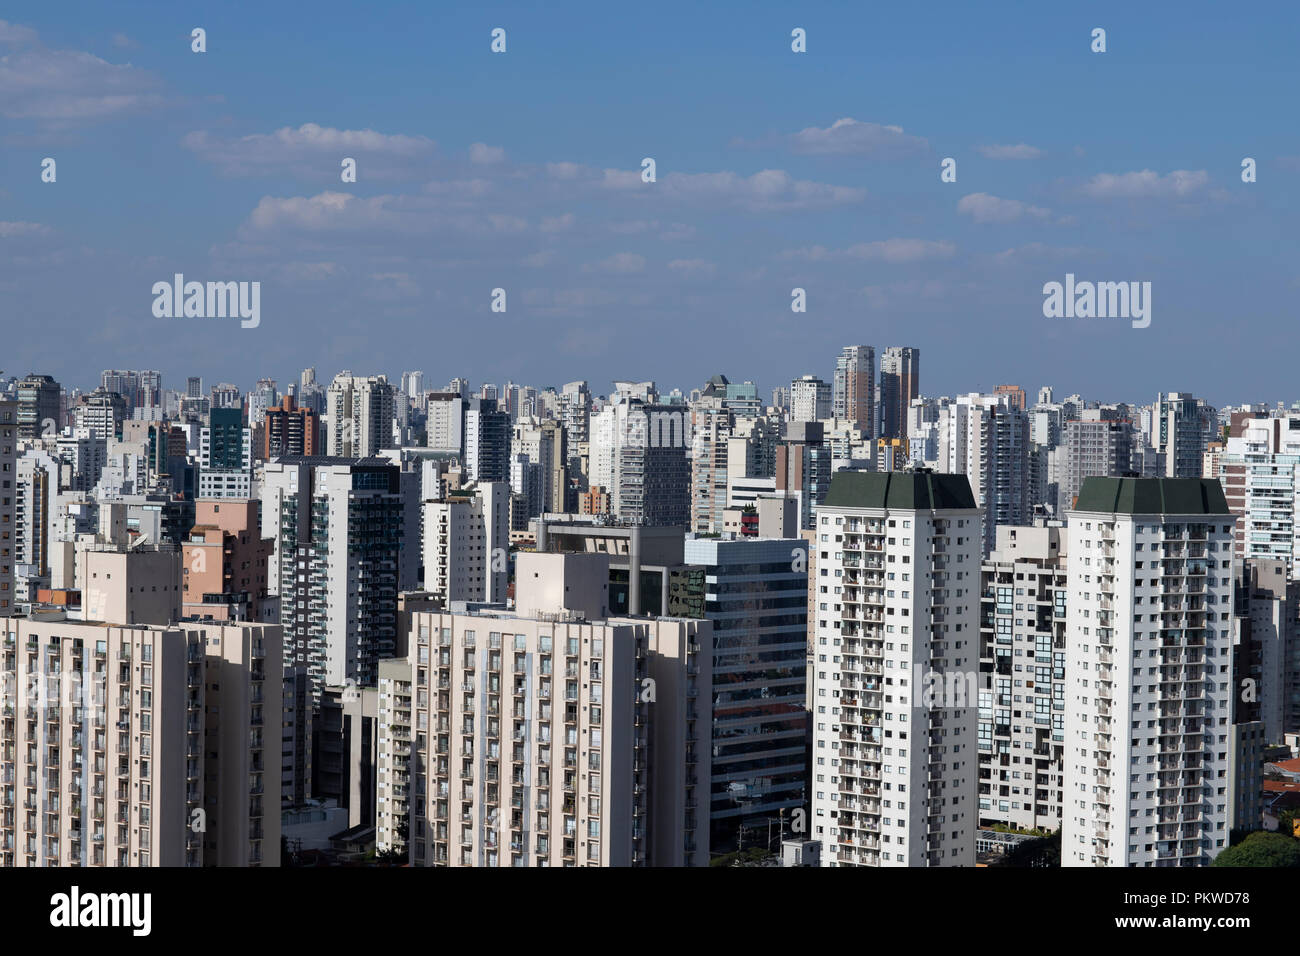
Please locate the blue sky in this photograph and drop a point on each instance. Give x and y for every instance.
(775, 170)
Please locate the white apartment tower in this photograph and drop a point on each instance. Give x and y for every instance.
(1148, 673)
(986, 437)
(810, 399)
(1260, 472)
(466, 544)
(361, 414)
(896, 652)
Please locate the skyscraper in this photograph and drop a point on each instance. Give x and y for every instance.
(340, 528)
(1023, 594)
(8, 495)
(854, 393)
(487, 441)
(289, 430)
(38, 406)
(987, 438)
(466, 544)
(226, 456)
(1098, 442)
(1183, 426)
(900, 382)
(810, 399)
(757, 594)
(895, 627)
(361, 414)
(1148, 673)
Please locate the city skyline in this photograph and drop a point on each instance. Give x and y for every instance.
(819, 171)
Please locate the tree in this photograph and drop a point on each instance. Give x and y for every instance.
(1286, 820)
(1262, 849)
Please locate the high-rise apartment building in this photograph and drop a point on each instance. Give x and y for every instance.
(895, 624)
(1097, 443)
(900, 383)
(1148, 673)
(466, 544)
(289, 430)
(8, 502)
(810, 399)
(1015, 395)
(103, 410)
(1023, 593)
(1260, 472)
(854, 388)
(575, 402)
(487, 441)
(543, 444)
(1266, 665)
(445, 424)
(226, 456)
(554, 735)
(987, 438)
(38, 406)
(1182, 428)
(361, 412)
(340, 529)
(710, 435)
(226, 562)
(639, 451)
(138, 746)
(756, 595)
(803, 467)
(139, 389)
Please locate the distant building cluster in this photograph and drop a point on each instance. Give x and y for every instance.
(362, 620)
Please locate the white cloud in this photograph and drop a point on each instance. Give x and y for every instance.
(983, 207)
(482, 154)
(894, 251)
(14, 230)
(558, 223)
(1147, 184)
(507, 224)
(621, 263)
(852, 137)
(768, 189)
(1018, 151)
(313, 145)
(11, 34)
(564, 171)
(63, 86)
(1038, 252)
(692, 267)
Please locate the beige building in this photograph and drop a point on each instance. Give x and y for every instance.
(226, 563)
(554, 735)
(137, 745)
(136, 586)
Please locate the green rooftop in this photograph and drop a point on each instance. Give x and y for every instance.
(910, 490)
(1152, 496)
